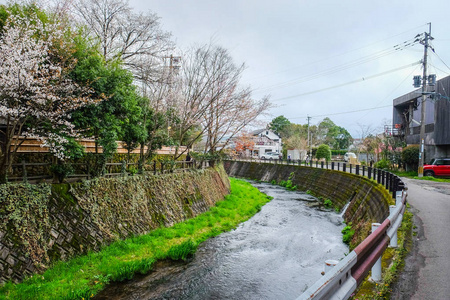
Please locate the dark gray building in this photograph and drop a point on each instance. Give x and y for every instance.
(407, 119)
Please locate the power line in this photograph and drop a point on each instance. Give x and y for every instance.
(341, 54)
(350, 82)
(440, 59)
(339, 113)
(377, 55)
(344, 66)
(388, 96)
(345, 112)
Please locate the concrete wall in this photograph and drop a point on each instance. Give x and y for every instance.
(369, 202)
(76, 218)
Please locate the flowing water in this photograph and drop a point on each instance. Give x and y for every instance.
(276, 254)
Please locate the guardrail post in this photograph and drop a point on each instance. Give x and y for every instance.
(401, 185)
(332, 165)
(376, 269)
(394, 188)
(369, 172)
(387, 181)
(24, 172)
(329, 264)
(350, 167)
(364, 171)
(321, 164)
(310, 162)
(393, 243)
(344, 167)
(391, 182)
(357, 169)
(382, 177)
(338, 166)
(398, 198)
(398, 181)
(379, 176)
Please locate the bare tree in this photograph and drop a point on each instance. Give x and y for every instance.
(296, 142)
(121, 32)
(156, 106)
(365, 131)
(228, 115)
(209, 100)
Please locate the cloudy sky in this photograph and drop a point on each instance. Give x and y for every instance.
(300, 51)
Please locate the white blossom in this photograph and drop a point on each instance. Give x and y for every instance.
(34, 90)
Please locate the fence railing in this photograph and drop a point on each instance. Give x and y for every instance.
(343, 277)
(42, 171)
(389, 180)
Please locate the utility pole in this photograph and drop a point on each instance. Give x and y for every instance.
(309, 139)
(423, 104)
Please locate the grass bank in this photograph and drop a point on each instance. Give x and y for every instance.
(413, 175)
(84, 276)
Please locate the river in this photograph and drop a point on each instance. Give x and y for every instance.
(276, 254)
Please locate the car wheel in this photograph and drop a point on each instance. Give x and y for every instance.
(428, 173)
(270, 158)
(263, 158)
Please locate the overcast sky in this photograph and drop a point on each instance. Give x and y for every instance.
(294, 49)
(321, 59)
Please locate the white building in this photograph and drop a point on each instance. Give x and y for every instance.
(266, 141)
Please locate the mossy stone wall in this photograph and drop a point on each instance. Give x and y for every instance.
(368, 201)
(84, 216)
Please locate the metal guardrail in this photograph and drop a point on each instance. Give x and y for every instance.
(343, 277)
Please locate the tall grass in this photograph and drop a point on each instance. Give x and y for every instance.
(84, 276)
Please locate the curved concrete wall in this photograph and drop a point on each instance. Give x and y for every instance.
(369, 201)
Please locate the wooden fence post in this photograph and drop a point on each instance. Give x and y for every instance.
(24, 172)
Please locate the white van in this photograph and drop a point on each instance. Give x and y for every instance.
(270, 155)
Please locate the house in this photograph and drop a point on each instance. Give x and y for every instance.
(265, 141)
(407, 119)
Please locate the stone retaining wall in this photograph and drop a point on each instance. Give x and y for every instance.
(84, 216)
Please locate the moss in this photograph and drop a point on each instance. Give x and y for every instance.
(61, 191)
(88, 214)
(25, 219)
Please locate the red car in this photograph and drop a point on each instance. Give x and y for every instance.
(437, 167)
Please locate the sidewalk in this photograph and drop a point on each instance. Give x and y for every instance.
(427, 267)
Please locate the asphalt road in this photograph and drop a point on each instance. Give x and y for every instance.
(427, 267)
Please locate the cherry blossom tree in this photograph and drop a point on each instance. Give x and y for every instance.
(36, 95)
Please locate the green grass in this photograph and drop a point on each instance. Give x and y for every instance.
(431, 178)
(84, 276)
(409, 174)
(347, 234)
(413, 175)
